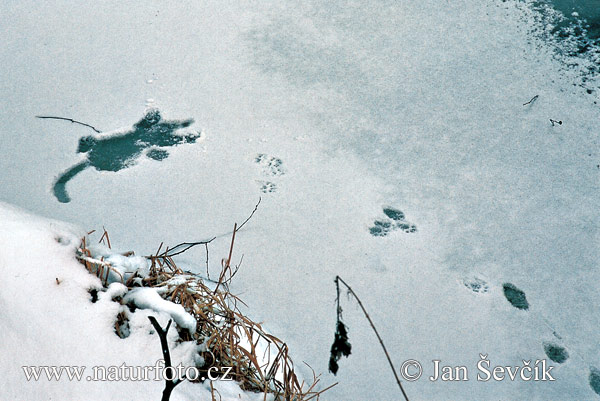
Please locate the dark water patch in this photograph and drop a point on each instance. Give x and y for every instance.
(515, 296)
(119, 151)
(571, 28)
(585, 11)
(556, 352)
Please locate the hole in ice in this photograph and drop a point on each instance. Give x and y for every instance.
(119, 151)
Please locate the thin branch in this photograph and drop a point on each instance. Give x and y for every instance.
(228, 262)
(71, 120)
(187, 246)
(237, 268)
(338, 279)
(251, 214)
(207, 272)
(533, 99)
(162, 334)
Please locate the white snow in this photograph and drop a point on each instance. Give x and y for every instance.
(48, 323)
(148, 298)
(413, 104)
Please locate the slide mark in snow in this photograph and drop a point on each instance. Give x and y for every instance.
(393, 220)
(119, 151)
(515, 296)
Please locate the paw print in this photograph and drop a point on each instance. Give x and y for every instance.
(267, 187)
(272, 166)
(394, 220)
(477, 285)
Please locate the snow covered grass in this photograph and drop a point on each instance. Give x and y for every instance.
(111, 325)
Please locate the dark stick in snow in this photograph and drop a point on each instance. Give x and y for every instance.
(187, 245)
(339, 280)
(554, 122)
(251, 214)
(71, 120)
(162, 334)
(533, 99)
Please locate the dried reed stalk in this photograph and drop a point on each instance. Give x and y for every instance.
(260, 361)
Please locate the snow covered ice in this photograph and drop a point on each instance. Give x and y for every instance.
(334, 112)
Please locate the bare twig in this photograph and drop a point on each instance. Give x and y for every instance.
(533, 99)
(251, 214)
(162, 334)
(207, 272)
(71, 120)
(186, 245)
(231, 338)
(232, 274)
(338, 280)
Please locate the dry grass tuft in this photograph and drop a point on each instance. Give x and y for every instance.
(260, 361)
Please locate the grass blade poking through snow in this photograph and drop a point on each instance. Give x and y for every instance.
(341, 346)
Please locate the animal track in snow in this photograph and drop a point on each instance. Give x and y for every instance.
(595, 380)
(272, 167)
(476, 285)
(267, 187)
(393, 220)
(515, 296)
(555, 352)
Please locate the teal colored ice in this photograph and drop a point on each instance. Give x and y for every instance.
(116, 152)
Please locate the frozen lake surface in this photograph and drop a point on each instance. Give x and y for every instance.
(406, 146)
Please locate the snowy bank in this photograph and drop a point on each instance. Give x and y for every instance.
(54, 313)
